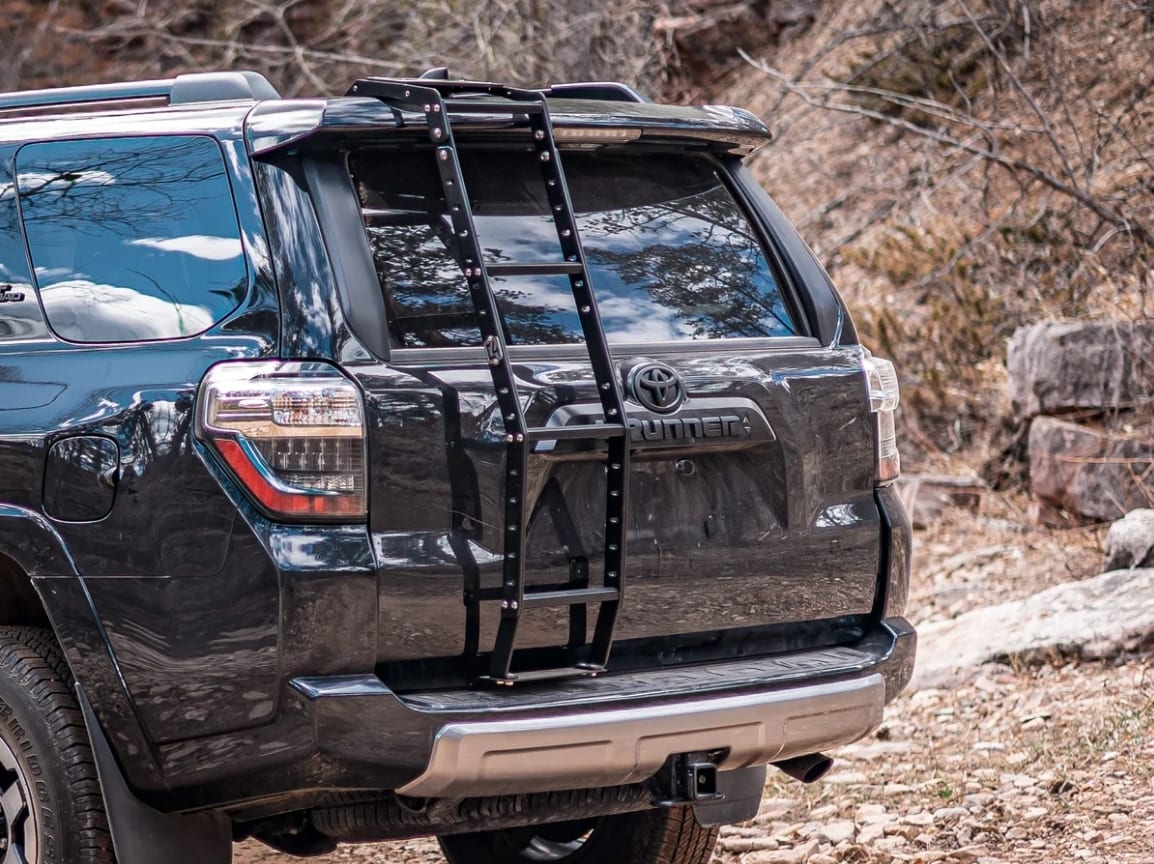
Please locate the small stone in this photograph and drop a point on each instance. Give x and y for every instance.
(871, 833)
(872, 813)
(920, 819)
(837, 831)
(896, 789)
(944, 814)
(969, 853)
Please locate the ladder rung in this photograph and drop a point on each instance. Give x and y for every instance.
(485, 106)
(586, 431)
(559, 268)
(572, 597)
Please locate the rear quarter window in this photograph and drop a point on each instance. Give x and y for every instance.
(20, 317)
(131, 239)
(671, 253)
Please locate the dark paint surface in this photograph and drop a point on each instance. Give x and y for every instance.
(80, 478)
(186, 615)
(776, 532)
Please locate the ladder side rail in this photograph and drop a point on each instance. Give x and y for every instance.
(608, 387)
(467, 248)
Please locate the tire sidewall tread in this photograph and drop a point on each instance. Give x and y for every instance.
(41, 722)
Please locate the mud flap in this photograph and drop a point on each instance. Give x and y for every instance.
(142, 835)
(741, 795)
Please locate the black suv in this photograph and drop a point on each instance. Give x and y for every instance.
(444, 458)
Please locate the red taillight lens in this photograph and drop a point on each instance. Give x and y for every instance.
(292, 433)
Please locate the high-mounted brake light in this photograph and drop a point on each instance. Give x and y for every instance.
(292, 433)
(882, 379)
(595, 134)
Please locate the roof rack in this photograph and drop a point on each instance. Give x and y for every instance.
(183, 89)
(603, 91)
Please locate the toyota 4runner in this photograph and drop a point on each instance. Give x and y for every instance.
(444, 458)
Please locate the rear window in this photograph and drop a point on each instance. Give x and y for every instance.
(671, 254)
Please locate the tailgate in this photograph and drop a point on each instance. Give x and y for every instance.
(750, 506)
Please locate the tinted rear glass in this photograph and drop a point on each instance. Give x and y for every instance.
(132, 239)
(671, 255)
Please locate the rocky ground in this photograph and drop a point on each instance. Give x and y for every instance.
(1050, 758)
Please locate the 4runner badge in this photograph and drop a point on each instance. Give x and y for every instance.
(655, 386)
(9, 295)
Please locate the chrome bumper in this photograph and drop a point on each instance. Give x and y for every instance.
(614, 747)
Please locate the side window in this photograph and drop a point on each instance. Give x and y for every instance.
(20, 317)
(132, 239)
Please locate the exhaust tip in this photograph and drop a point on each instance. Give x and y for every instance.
(807, 768)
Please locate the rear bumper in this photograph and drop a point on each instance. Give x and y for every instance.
(612, 748)
(611, 730)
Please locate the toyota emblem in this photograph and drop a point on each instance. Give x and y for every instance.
(655, 386)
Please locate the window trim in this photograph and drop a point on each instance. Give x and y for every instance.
(475, 354)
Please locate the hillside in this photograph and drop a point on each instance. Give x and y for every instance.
(963, 168)
(960, 167)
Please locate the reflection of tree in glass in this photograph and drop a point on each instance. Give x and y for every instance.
(428, 298)
(695, 256)
(670, 251)
(132, 238)
(106, 185)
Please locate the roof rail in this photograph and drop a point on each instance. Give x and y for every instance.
(183, 89)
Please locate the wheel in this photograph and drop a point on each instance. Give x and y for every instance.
(648, 837)
(51, 809)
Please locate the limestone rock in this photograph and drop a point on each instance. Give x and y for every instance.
(1130, 541)
(1060, 366)
(1097, 617)
(1081, 473)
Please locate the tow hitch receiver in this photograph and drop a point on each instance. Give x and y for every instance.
(688, 778)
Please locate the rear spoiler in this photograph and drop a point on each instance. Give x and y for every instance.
(275, 126)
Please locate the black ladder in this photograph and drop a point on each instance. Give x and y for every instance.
(435, 99)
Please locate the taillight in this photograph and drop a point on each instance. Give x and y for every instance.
(882, 379)
(292, 433)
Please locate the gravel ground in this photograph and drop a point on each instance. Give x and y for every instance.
(1049, 762)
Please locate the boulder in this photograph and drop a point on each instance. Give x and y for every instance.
(1095, 618)
(1060, 366)
(1130, 541)
(1083, 474)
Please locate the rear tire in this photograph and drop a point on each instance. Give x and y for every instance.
(51, 808)
(648, 837)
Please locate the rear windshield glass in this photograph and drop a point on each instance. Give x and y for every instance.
(671, 255)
